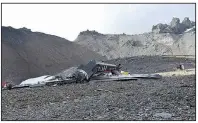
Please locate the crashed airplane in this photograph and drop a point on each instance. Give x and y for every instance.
(93, 71)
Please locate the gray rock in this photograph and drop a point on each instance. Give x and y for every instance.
(187, 23)
(174, 22)
(159, 28)
(168, 30)
(64, 102)
(76, 100)
(192, 23)
(51, 103)
(99, 89)
(163, 115)
(177, 27)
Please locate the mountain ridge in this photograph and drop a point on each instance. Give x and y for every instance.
(158, 41)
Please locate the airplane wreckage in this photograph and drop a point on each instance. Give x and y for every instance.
(93, 71)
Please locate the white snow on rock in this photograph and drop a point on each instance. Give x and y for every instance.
(188, 30)
(37, 80)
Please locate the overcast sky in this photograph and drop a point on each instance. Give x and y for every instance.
(67, 20)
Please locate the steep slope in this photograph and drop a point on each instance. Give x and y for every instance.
(28, 54)
(163, 40)
(186, 44)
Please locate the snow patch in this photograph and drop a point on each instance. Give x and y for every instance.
(188, 30)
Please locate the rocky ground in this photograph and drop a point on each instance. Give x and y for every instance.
(170, 98)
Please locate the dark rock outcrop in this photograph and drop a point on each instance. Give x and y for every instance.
(187, 23)
(175, 26)
(159, 28)
(88, 32)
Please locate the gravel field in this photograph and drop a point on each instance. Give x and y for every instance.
(170, 98)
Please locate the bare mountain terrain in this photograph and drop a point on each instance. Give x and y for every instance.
(170, 98)
(27, 54)
(174, 39)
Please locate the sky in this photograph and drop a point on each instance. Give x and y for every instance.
(68, 20)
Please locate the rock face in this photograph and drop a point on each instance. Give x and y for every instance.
(188, 23)
(27, 54)
(174, 39)
(161, 28)
(175, 26)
